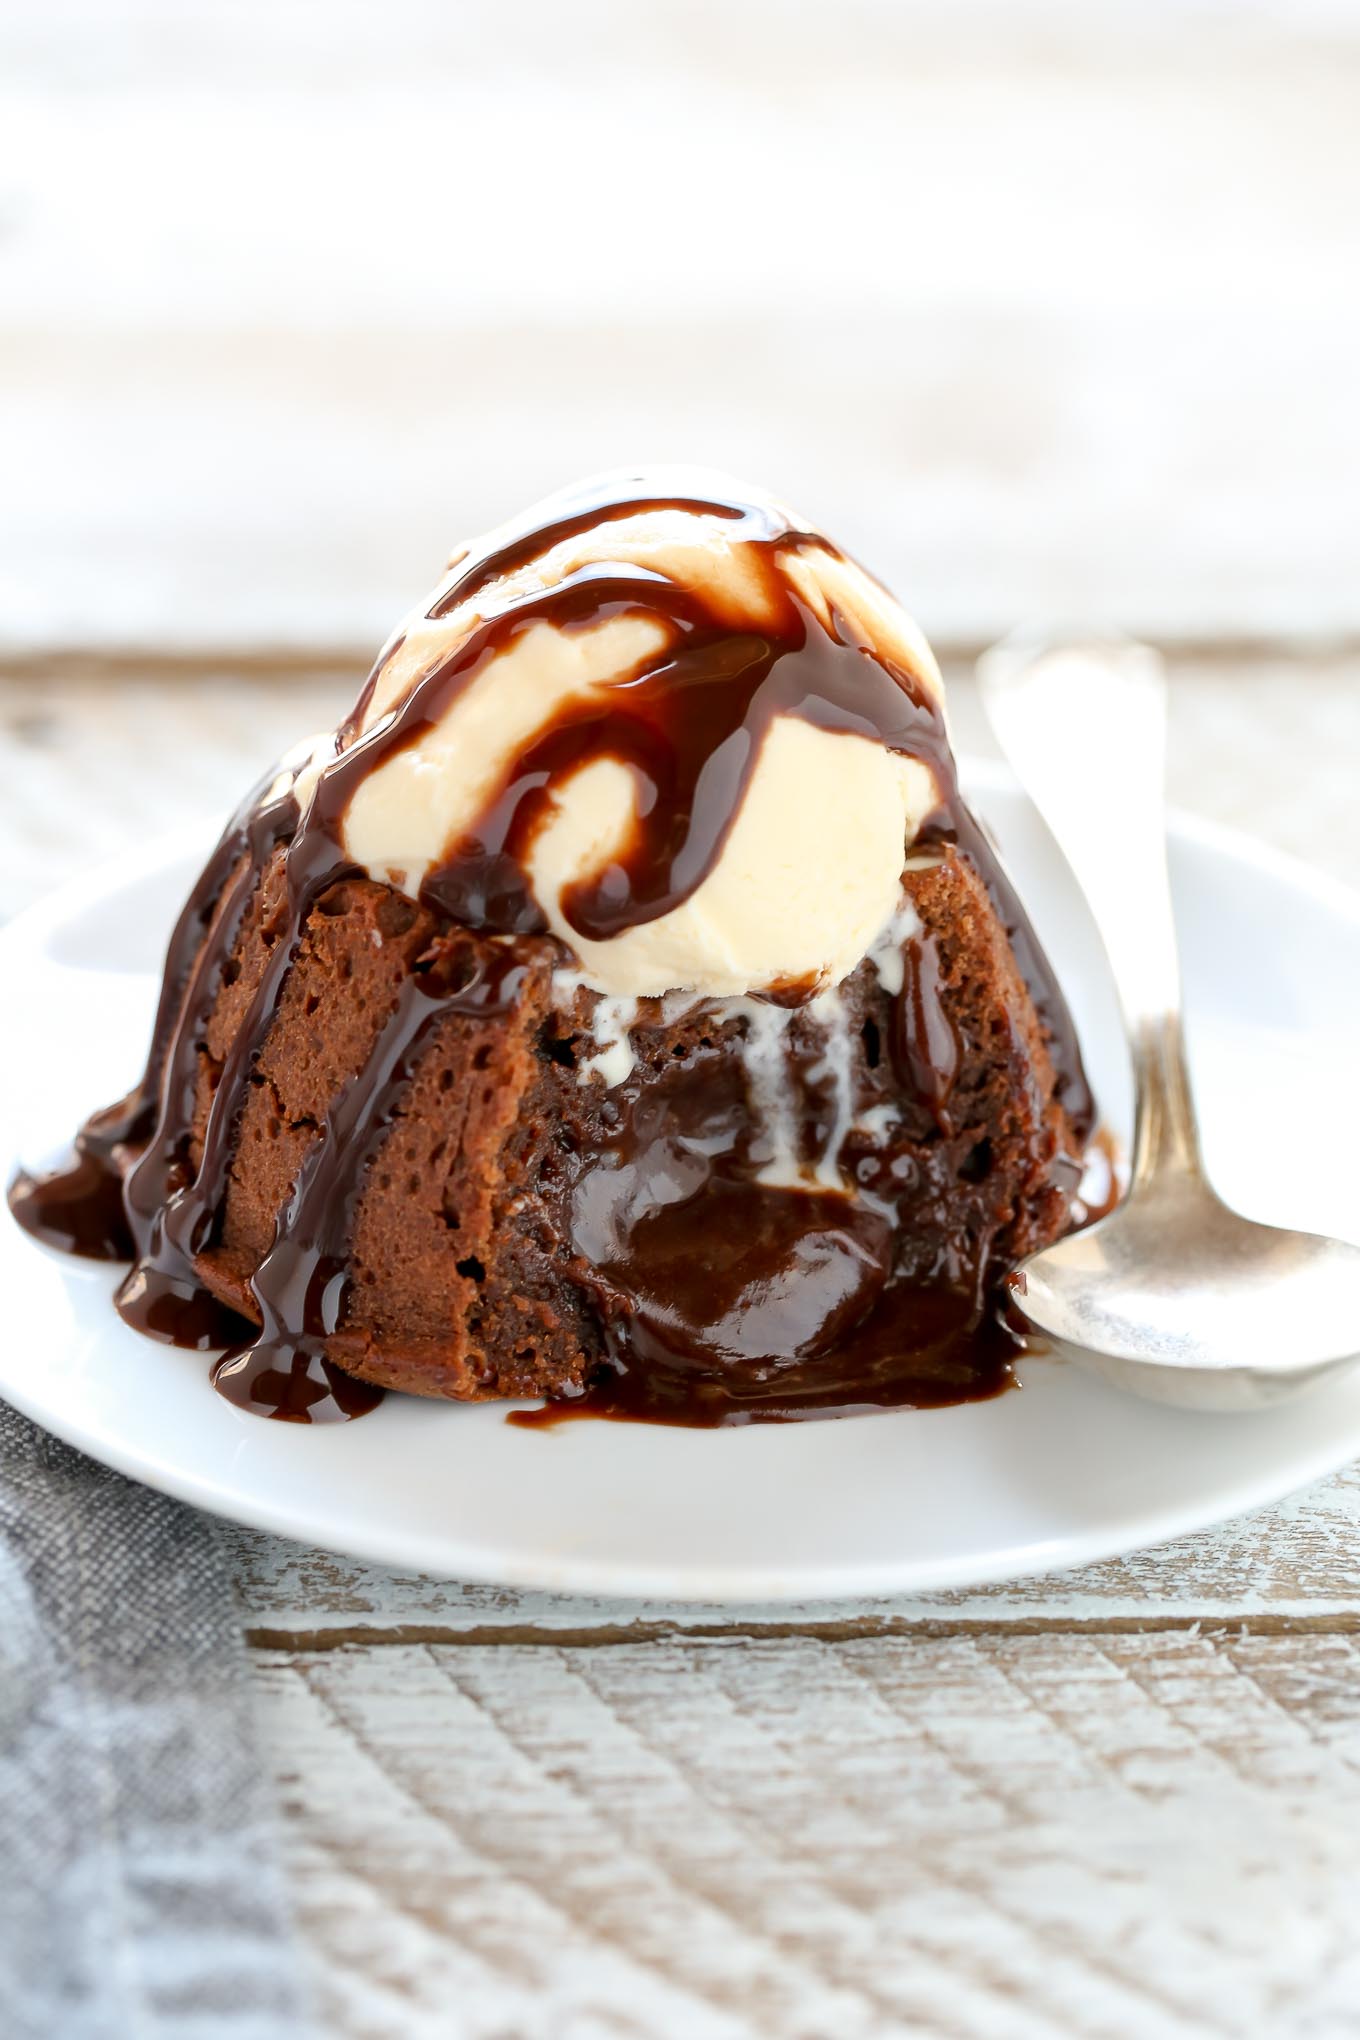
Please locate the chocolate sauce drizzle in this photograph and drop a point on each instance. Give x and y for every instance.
(687, 723)
(925, 1045)
(302, 1284)
(80, 1209)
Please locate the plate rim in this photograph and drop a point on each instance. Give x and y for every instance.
(584, 1577)
(619, 1579)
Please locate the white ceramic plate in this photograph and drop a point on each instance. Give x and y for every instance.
(1063, 1472)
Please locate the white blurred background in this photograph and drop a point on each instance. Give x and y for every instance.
(1040, 306)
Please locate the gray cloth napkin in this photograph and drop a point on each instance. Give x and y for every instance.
(140, 1886)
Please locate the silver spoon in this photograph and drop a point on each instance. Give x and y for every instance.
(1173, 1296)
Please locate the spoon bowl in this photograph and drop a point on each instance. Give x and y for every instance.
(1174, 1295)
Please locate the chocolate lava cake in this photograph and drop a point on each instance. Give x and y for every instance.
(504, 1084)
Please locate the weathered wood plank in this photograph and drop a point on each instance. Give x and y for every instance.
(1293, 1566)
(1127, 1835)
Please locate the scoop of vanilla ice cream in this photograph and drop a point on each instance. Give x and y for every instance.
(810, 872)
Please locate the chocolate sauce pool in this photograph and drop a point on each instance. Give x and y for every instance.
(746, 1301)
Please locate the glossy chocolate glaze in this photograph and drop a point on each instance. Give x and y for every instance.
(687, 723)
(924, 1042)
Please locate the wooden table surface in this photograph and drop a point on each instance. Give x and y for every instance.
(1124, 1802)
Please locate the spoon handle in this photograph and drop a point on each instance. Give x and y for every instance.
(1083, 724)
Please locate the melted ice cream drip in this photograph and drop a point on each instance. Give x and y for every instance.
(769, 1085)
(887, 951)
(835, 1072)
(878, 1121)
(611, 1025)
(772, 1077)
